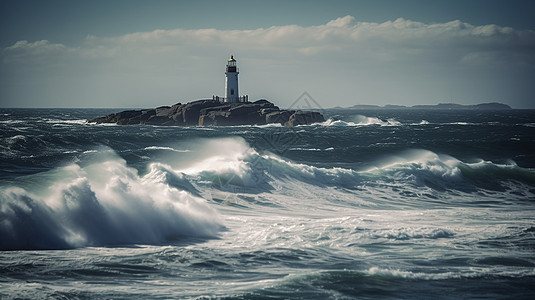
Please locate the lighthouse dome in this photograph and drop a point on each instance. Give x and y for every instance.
(231, 65)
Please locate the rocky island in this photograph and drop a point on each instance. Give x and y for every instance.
(215, 113)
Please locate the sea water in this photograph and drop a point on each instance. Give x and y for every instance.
(369, 204)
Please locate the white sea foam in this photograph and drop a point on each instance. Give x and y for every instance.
(165, 202)
(311, 149)
(412, 275)
(166, 148)
(12, 121)
(461, 123)
(405, 233)
(66, 122)
(104, 124)
(360, 120)
(474, 273)
(364, 120)
(101, 204)
(219, 156)
(269, 125)
(333, 122)
(423, 122)
(418, 160)
(234, 162)
(90, 151)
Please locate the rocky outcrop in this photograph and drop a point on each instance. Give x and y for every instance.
(304, 118)
(281, 116)
(213, 113)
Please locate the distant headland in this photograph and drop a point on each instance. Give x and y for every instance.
(215, 113)
(440, 106)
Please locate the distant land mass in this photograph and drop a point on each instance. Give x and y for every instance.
(450, 106)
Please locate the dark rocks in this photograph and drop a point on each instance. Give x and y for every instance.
(122, 118)
(265, 111)
(281, 116)
(205, 111)
(158, 120)
(216, 118)
(263, 103)
(304, 118)
(163, 111)
(214, 113)
(135, 117)
(191, 111)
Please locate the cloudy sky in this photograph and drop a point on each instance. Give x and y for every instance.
(151, 53)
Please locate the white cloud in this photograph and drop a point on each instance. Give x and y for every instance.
(344, 47)
(40, 45)
(342, 22)
(41, 50)
(397, 37)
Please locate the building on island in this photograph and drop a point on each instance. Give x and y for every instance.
(231, 84)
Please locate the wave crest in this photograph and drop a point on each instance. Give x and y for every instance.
(245, 168)
(361, 120)
(103, 203)
(404, 234)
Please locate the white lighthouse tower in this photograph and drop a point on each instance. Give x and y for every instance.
(231, 82)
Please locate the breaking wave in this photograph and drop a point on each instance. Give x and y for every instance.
(102, 203)
(360, 120)
(235, 162)
(165, 149)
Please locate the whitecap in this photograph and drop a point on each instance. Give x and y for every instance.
(376, 271)
(333, 122)
(269, 125)
(360, 120)
(90, 151)
(66, 122)
(461, 123)
(103, 203)
(423, 122)
(165, 148)
(12, 122)
(305, 149)
(414, 233)
(470, 273)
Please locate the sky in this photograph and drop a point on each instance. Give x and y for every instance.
(135, 54)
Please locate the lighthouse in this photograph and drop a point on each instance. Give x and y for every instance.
(231, 82)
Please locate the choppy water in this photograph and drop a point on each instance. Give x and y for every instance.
(369, 204)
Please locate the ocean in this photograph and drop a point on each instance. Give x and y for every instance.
(396, 204)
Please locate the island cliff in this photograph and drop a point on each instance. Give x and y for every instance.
(212, 112)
